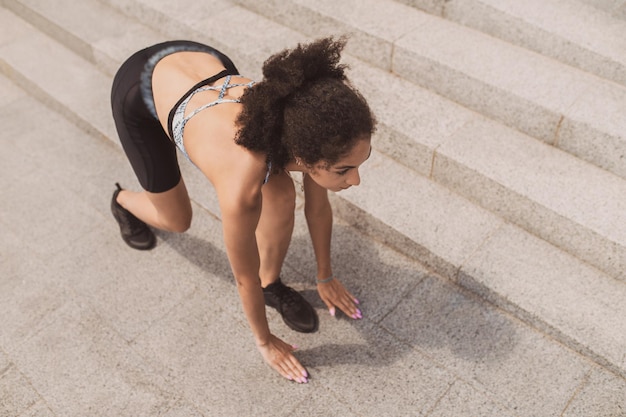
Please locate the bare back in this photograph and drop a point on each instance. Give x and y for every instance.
(209, 136)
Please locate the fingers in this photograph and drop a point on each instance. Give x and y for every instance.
(278, 355)
(293, 370)
(349, 308)
(330, 306)
(335, 295)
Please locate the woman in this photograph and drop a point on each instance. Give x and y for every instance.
(246, 138)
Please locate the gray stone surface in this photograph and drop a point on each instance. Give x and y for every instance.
(191, 19)
(95, 35)
(39, 409)
(607, 149)
(463, 399)
(488, 348)
(529, 95)
(16, 393)
(601, 395)
(552, 28)
(80, 366)
(373, 26)
(542, 282)
(616, 8)
(82, 93)
(557, 199)
(435, 7)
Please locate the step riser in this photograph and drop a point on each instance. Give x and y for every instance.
(436, 7)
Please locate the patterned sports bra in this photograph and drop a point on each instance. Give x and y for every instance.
(177, 118)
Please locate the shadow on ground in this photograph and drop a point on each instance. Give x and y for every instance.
(405, 306)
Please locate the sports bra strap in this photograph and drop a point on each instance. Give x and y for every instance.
(202, 83)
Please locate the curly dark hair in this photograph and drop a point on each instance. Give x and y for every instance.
(305, 107)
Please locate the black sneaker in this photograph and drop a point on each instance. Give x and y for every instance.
(135, 233)
(297, 313)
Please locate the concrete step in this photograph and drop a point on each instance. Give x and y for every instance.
(190, 20)
(447, 232)
(615, 8)
(66, 82)
(98, 37)
(563, 106)
(552, 28)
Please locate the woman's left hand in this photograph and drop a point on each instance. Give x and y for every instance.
(334, 294)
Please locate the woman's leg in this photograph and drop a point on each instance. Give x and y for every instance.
(165, 203)
(169, 210)
(273, 235)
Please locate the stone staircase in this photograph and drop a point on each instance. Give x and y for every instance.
(500, 158)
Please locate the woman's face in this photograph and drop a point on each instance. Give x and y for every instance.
(345, 172)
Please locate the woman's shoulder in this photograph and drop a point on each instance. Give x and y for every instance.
(229, 165)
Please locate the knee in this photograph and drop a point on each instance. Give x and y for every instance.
(182, 226)
(178, 224)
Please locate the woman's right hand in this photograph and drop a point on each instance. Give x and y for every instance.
(278, 355)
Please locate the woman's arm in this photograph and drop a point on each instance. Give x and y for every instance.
(319, 217)
(240, 204)
(240, 215)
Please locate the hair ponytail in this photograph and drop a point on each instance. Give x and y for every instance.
(287, 77)
(289, 70)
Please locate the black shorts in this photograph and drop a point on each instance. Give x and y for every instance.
(148, 147)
